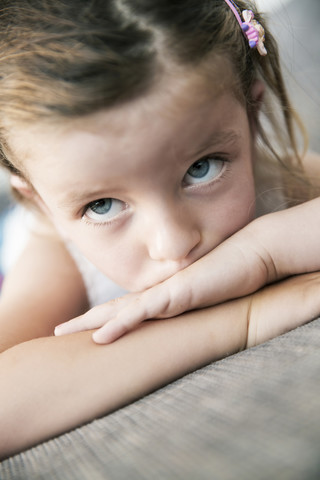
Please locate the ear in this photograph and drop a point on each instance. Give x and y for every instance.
(256, 100)
(27, 191)
(257, 92)
(22, 186)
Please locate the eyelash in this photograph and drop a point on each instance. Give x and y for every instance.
(103, 223)
(96, 224)
(216, 157)
(211, 183)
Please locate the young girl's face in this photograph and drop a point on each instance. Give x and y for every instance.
(147, 188)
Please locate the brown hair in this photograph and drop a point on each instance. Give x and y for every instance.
(68, 58)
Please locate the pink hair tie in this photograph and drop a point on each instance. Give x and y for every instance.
(252, 29)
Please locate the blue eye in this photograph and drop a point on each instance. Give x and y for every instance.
(203, 171)
(104, 209)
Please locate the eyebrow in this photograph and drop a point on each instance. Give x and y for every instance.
(74, 198)
(218, 138)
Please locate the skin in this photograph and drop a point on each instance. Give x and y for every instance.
(270, 248)
(162, 218)
(75, 379)
(36, 280)
(50, 385)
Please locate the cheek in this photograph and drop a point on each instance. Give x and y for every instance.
(231, 212)
(120, 259)
(241, 208)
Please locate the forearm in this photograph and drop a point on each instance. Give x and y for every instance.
(50, 385)
(281, 307)
(269, 249)
(289, 240)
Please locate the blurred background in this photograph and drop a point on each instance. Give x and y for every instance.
(296, 26)
(269, 5)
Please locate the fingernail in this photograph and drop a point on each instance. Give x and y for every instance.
(58, 330)
(97, 338)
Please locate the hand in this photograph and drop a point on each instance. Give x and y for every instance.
(268, 249)
(229, 271)
(121, 315)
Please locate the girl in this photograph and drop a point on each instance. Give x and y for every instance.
(133, 130)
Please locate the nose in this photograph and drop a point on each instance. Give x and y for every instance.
(171, 235)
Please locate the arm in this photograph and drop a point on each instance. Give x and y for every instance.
(43, 287)
(268, 249)
(50, 385)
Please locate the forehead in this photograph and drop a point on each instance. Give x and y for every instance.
(176, 95)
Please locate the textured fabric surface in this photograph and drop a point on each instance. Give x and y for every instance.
(255, 415)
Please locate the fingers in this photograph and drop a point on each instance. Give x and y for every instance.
(111, 330)
(94, 318)
(130, 308)
(129, 317)
(119, 316)
(115, 329)
(78, 324)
